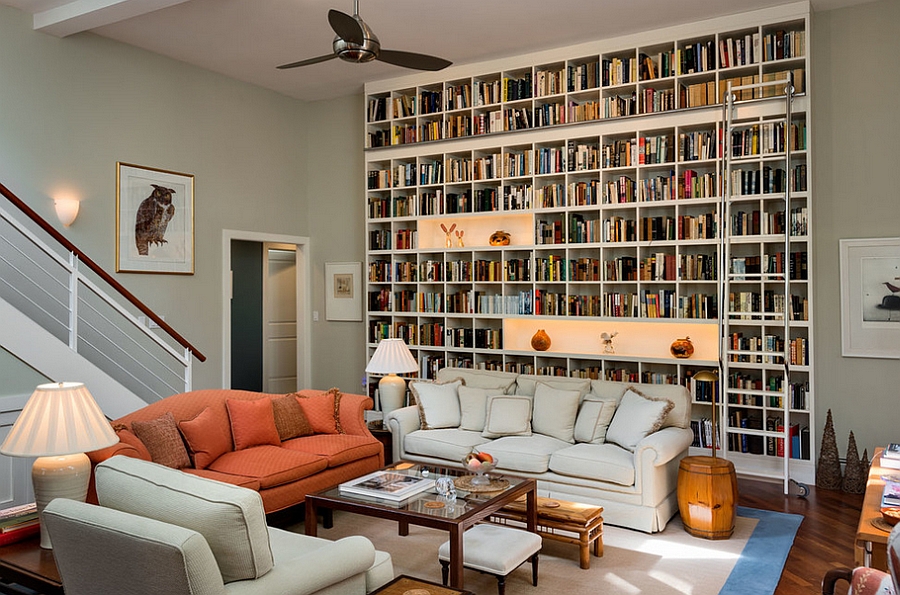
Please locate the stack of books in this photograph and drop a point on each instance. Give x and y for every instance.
(18, 523)
(890, 456)
(387, 485)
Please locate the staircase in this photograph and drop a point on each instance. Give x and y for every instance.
(67, 318)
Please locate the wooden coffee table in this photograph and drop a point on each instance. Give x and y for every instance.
(404, 584)
(470, 508)
(871, 541)
(27, 564)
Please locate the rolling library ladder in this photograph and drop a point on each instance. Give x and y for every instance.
(761, 322)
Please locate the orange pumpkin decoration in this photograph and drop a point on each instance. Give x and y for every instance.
(499, 238)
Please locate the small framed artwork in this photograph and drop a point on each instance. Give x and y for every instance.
(154, 220)
(343, 291)
(870, 297)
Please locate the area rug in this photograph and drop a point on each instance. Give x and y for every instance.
(667, 563)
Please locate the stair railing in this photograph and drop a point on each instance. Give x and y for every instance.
(64, 295)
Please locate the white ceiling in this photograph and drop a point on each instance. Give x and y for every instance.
(247, 39)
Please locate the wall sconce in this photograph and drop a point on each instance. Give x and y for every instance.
(66, 210)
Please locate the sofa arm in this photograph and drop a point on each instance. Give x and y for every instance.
(664, 445)
(314, 569)
(401, 422)
(352, 413)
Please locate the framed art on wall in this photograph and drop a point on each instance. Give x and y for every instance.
(870, 297)
(154, 220)
(343, 291)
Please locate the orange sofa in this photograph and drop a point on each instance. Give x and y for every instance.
(227, 436)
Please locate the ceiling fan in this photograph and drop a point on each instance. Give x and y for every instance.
(355, 42)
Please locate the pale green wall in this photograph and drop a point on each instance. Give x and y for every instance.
(70, 108)
(16, 378)
(856, 127)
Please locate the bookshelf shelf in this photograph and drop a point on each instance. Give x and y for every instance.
(604, 163)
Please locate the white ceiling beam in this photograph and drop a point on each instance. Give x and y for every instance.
(83, 15)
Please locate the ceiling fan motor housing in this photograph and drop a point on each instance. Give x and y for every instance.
(352, 52)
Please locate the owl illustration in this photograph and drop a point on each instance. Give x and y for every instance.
(153, 216)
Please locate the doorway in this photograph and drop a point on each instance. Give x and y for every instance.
(265, 312)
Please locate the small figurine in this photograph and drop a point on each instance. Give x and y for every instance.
(448, 232)
(459, 238)
(607, 342)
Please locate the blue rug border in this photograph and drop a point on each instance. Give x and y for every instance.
(769, 544)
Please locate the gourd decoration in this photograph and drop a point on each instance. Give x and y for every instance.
(499, 238)
(540, 341)
(682, 348)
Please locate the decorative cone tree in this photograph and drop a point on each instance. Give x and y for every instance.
(828, 471)
(854, 473)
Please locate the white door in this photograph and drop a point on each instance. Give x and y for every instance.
(279, 318)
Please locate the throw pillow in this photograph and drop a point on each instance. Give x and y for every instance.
(206, 437)
(252, 422)
(231, 518)
(290, 420)
(593, 419)
(473, 406)
(507, 415)
(438, 403)
(636, 417)
(163, 441)
(322, 411)
(126, 436)
(555, 411)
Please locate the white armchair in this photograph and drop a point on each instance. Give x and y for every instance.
(158, 530)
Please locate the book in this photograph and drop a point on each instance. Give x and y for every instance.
(14, 511)
(19, 534)
(891, 451)
(891, 494)
(389, 485)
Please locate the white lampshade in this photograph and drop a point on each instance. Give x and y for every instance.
(60, 422)
(392, 357)
(59, 419)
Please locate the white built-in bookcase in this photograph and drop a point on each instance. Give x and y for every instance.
(580, 206)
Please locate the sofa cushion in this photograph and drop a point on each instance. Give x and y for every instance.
(679, 416)
(507, 415)
(490, 379)
(252, 423)
(207, 438)
(554, 412)
(250, 483)
(525, 454)
(449, 444)
(603, 462)
(230, 518)
(593, 419)
(438, 403)
(322, 410)
(271, 465)
(290, 421)
(636, 417)
(473, 406)
(527, 383)
(163, 441)
(338, 449)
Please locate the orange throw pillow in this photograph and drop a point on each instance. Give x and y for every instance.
(252, 423)
(322, 411)
(290, 420)
(163, 441)
(206, 438)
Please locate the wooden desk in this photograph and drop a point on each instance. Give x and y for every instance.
(27, 564)
(871, 542)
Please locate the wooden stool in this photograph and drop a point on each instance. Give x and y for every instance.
(707, 496)
(495, 550)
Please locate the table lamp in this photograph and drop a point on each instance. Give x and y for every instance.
(60, 422)
(392, 357)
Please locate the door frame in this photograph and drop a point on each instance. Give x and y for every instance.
(304, 297)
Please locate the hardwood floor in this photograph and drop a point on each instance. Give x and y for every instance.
(825, 538)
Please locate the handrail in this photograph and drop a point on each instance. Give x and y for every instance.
(84, 258)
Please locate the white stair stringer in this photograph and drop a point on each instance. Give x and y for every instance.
(38, 348)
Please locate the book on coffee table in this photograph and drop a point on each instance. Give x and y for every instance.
(389, 485)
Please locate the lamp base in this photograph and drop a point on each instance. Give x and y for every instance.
(391, 392)
(63, 476)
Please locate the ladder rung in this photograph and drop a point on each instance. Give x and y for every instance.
(754, 392)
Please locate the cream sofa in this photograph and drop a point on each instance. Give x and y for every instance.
(595, 442)
(158, 530)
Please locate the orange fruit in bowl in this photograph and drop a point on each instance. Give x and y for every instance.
(485, 457)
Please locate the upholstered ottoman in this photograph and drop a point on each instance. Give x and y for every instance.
(495, 550)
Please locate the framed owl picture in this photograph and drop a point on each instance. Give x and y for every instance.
(154, 220)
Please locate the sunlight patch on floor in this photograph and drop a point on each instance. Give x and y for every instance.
(704, 550)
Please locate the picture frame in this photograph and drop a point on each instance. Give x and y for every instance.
(870, 297)
(154, 220)
(343, 291)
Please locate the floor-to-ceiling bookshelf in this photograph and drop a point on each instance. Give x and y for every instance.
(604, 164)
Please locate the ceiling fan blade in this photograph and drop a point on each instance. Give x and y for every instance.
(413, 60)
(307, 62)
(346, 27)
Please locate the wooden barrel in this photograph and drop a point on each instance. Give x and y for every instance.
(707, 496)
